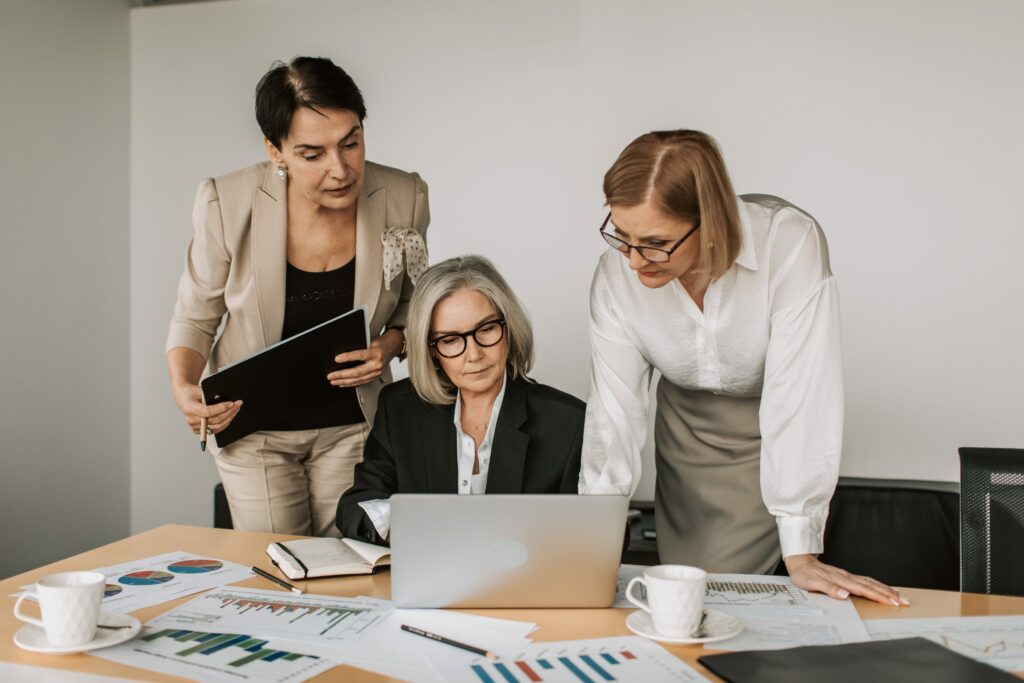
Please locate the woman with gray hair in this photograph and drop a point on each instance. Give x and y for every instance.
(468, 420)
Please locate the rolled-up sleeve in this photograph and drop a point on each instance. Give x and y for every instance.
(616, 421)
(801, 415)
(200, 304)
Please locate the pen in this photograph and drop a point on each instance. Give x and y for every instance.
(279, 582)
(203, 426)
(447, 641)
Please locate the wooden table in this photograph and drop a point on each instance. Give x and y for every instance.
(249, 549)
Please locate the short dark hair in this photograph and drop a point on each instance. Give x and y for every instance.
(313, 82)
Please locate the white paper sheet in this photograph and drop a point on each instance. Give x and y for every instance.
(320, 623)
(390, 651)
(153, 580)
(571, 661)
(216, 657)
(37, 674)
(776, 614)
(997, 641)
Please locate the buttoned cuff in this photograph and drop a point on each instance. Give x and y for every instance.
(602, 487)
(379, 512)
(801, 535)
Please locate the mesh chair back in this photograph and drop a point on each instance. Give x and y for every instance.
(992, 520)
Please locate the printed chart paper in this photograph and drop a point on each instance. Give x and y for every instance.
(314, 620)
(215, 657)
(776, 614)
(576, 661)
(996, 641)
(153, 580)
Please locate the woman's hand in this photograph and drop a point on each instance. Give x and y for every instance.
(810, 574)
(373, 360)
(189, 398)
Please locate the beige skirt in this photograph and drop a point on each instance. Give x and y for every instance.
(708, 507)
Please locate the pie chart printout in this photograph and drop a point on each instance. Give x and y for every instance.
(110, 590)
(145, 578)
(195, 566)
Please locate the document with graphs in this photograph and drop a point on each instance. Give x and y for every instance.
(775, 613)
(997, 641)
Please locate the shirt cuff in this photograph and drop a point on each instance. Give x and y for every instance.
(379, 512)
(801, 535)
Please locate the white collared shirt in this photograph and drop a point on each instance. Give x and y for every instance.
(770, 328)
(466, 451)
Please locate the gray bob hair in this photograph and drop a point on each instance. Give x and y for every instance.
(438, 283)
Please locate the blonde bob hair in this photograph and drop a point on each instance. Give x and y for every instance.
(435, 285)
(683, 174)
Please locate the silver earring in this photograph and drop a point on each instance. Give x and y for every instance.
(282, 172)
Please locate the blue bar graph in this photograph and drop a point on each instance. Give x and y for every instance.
(608, 658)
(568, 664)
(484, 676)
(597, 667)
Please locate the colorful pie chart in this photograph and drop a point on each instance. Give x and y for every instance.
(110, 590)
(146, 578)
(195, 566)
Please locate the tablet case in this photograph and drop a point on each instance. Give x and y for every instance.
(879, 661)
(285, 378)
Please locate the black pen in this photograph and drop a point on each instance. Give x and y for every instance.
(447, 641)
(280, 582)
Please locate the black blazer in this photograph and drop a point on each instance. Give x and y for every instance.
(411, 449)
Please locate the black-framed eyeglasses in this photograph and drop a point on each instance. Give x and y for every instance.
(487, 333)
(653, 254)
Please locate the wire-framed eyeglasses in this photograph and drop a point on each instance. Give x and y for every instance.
(487, 333)
(653, 254)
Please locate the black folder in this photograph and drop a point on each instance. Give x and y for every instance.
(285, 378)
(879, 661)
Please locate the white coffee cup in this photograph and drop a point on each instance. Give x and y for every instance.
(675, 598)
(70, 606)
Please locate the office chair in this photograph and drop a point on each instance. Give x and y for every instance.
(901, 532)
(992, 520)
(221, 511)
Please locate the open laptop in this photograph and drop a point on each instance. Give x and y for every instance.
(505, 550)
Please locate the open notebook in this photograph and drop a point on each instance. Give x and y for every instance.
(313, 557)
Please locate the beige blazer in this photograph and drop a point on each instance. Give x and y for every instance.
(236, 263)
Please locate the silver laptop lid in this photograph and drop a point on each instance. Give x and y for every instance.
(505, 550)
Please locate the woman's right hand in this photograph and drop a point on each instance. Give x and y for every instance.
(189, 398)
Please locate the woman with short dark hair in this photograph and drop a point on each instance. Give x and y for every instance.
(280, 247)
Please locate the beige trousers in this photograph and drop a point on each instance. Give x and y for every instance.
(708, 507)
(289, 482)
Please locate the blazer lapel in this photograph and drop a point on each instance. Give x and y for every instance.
(508, 454)
(437, 439)
(370, 218)
(270, 252)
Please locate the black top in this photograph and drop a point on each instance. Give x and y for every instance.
(412, 449)
(311, 299)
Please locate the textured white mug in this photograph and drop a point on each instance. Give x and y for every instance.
(675, 598)
(70, 606)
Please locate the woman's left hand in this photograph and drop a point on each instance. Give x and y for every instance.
(810, 574)
(372, 360)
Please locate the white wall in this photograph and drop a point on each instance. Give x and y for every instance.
(896, 124)
(64, 408)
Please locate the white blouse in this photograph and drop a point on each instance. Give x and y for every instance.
(770, 328)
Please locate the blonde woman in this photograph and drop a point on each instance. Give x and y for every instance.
(468, 420)
(732, 301)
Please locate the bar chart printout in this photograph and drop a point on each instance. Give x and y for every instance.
(215, 657)
(741, 590)
(315, 619)
(576, 661)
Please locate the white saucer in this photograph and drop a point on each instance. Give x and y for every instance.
(33, 638)
(717, 626)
